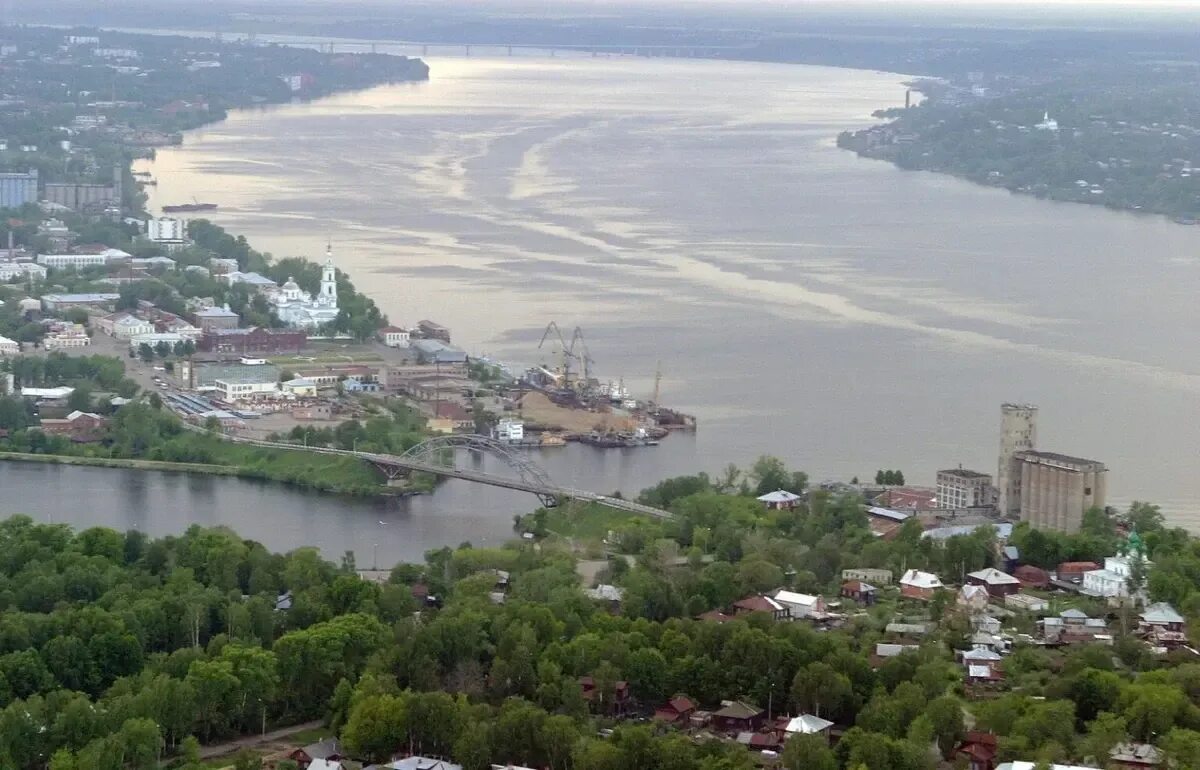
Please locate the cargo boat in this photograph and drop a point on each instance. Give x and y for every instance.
(189, 207)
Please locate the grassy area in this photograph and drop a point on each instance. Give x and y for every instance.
(585, 521)
(327, 473)
(342, 475)
(119, 462)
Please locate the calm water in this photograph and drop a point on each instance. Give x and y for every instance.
(837, 312)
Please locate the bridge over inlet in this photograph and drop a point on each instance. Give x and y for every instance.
(436, 456)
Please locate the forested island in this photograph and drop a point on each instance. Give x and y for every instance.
(117, 648)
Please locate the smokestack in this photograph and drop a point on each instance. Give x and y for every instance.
(908, 98)
(12, 254)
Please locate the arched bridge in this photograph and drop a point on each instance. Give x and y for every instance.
(437, 456)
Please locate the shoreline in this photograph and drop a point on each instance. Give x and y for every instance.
(199, 469)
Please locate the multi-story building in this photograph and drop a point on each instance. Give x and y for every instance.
(67, 336)
(1056, 489)
(10, 271)
(167, 232)
(209, 318)
(1018, 433)
(55, 302)
(9, 347)
(961, 488)
(18, 188)
(252, 341)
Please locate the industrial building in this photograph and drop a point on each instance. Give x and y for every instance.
(18, 188)
(1018, 433)
(1056, 489)
(252, 341)
(961, 488)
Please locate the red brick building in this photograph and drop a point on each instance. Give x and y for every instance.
(80, 427)
(254, 341)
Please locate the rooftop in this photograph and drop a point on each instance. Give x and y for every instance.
(963, 473)
(993, 576)
(1060, 460)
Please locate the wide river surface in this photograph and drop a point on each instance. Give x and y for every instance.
(837, 312)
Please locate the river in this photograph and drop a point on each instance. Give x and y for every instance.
(837, 312)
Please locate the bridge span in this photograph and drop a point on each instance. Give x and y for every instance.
(430, 456)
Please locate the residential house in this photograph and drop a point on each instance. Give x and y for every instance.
(863, 593)
(808, 724)
(972, 598)
(1031, 576)
(1012, 556)
(1035, 766)
(1026, 603)
(880, 577)
(9, 347)
(980, 669)
(1163, 627)
(769, 740)
(1074, 627)
(738, 716)
(619, 700)
(752, 604)
(979, 750)
(801, 606)
(80, 427)
(677, 710)
(1073, 571)
(779, 499)
(609, 594)
(393, 336)
(915, 630)
(888, 650)
(423, 763)
(1135, 756)
(986, 624)
(330, 748)
(919, 585)
(997, 583)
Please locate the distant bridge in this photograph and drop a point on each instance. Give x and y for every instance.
(436, 456)
(425, 47)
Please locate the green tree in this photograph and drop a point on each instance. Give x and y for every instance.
(376, 727)
(946, 716)
(808, 752)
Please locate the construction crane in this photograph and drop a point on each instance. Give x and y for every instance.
(564, 352)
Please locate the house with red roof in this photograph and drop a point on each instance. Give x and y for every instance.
(979, 750)
(677, 710)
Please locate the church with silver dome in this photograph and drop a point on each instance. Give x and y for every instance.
(298, 309)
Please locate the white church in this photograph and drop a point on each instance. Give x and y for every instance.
(298, 309)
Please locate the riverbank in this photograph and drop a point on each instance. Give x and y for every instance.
(339, 476)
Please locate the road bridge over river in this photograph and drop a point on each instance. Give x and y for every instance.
(436, 456)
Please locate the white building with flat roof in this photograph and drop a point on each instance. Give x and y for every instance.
(9, 347)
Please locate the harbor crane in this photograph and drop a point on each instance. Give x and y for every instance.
(564, 352)
(582, 356)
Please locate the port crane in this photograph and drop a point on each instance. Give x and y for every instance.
(583, 356)
(565, 354)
